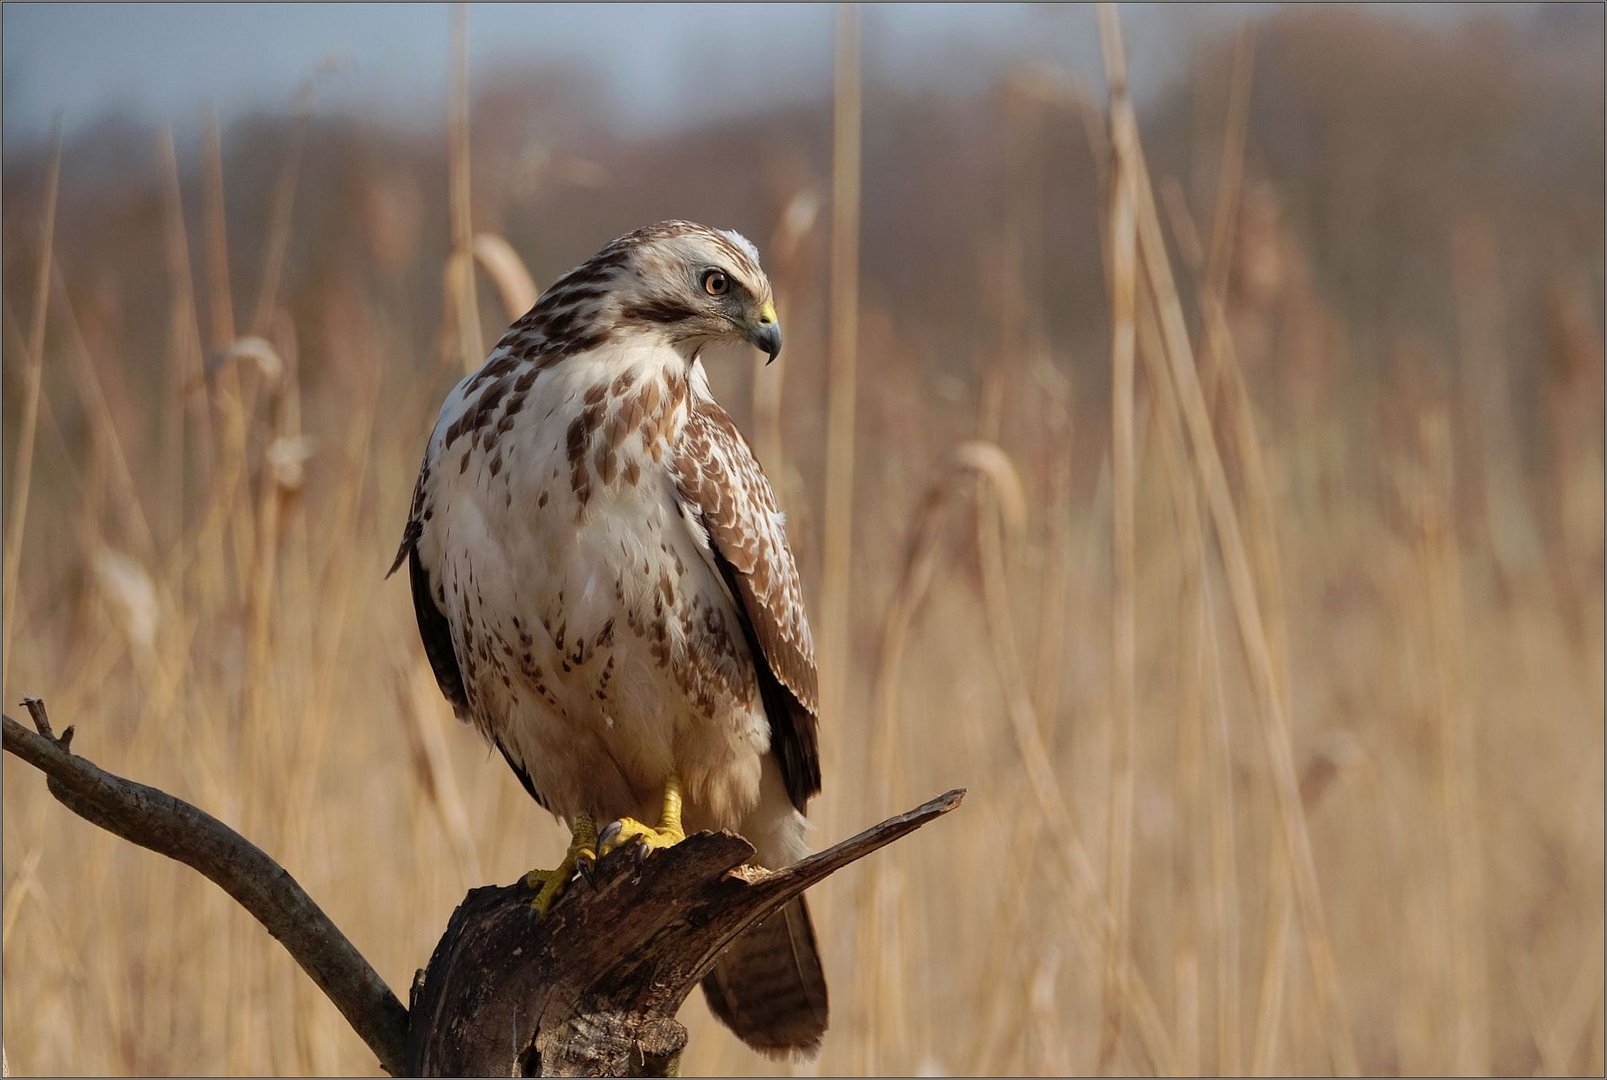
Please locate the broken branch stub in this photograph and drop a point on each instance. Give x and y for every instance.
(593, 989)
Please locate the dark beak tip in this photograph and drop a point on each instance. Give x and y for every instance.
(769, 339)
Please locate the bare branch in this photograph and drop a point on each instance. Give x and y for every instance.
(156, 820)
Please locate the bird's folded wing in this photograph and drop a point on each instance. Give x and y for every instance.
(725, 492)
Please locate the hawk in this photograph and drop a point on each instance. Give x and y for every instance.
(604, 588)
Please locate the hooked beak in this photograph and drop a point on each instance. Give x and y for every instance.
(766, 333)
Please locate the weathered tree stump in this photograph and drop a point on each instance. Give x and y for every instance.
(592, 989)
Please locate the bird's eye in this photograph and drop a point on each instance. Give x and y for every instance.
(716, 283)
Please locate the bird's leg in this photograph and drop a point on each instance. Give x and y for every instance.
(668, 833)
(582, 853)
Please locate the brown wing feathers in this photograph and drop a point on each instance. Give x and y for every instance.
(728, 494)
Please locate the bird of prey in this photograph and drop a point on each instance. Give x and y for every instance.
(604, 588)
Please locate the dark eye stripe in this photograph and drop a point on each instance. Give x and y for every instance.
(655, 310)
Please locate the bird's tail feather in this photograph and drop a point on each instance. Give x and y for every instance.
(769, 987)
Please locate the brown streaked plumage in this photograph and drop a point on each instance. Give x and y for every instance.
(604, 588)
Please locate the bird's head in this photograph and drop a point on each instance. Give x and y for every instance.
(694, 285)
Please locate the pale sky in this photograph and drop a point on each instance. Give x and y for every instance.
(662, 63)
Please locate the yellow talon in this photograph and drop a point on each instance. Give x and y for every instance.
(668, 833)
(550, 884)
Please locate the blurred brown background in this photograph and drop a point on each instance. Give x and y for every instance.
(225, 340)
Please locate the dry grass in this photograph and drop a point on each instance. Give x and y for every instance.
(842, 368)
(1276, 680)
